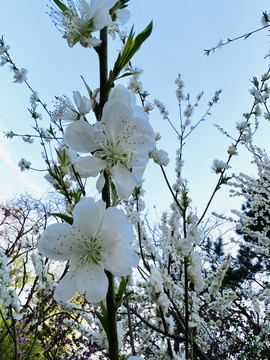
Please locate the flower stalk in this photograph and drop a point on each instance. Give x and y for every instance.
(110, 298)
(102, 51)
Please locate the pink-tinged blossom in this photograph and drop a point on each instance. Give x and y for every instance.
(100, 239)
(120, 143)
(82, 19)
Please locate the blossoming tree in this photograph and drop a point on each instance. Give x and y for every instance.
(176, 304)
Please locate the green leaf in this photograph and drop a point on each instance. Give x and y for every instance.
(87, 87)
(131, 47)
(124, 75)
(103, 317)
(61, 6)
(128, 294)
(122, 288)
(66, 218)
(255, 82)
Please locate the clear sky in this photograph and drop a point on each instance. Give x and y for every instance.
(182, 29)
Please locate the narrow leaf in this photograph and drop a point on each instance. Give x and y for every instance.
(87, 87)
(61, 6)
(66, 218)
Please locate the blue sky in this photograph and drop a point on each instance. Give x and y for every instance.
(182, 29)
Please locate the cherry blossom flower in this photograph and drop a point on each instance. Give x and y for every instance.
(20, 75)
(194, 271)
(160, 157)
(120, 143)
(65, 110)
(24, 164)
(99, 239)
(219, 165)
(82, 19)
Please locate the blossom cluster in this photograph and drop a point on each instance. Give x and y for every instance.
(80, 18)
(119, 144)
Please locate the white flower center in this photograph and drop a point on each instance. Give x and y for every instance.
(84, 250)
(113, 153)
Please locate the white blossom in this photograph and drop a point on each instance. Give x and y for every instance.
(4, 59)
(66, 111)
(10, 134)
(28, 139)
(4, 48)
(194, 270)
(82, 19)
(185, 246)
(99, 239)
(232, 150)
(160, 157)
(24, 164)
(120, 142)
(219, 165)
(34, 98)
(20, 75)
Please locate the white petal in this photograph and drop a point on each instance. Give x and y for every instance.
(138, 164)
(89, 166)
(115, 221)
(88, 216)
(121, 93)
(92, 41)
(50, 243)
(116, 116)
(122, 16)
(121, 260)
(145, 136)
(83, 104)
(139, 112)
(80, 136)
(77, 98)
(125, 181)
(66, 288)
(100, 182)
(102, 18)
(93, 281)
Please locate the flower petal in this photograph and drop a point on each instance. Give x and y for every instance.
(121, 260)
(80, 136)
(125, 181)
(122, 16)
(66, 288)
(100, 182)
(83, 104)
(138, 164)
(89, 166)
(88, 216)
(50, 242)
(93, 281)
(120, 92)
(116, 117)
(115, 221)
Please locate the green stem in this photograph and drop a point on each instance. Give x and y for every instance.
(102, 51)
(186, 310)
(112, 319)
(186, 290)
(106, 196)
